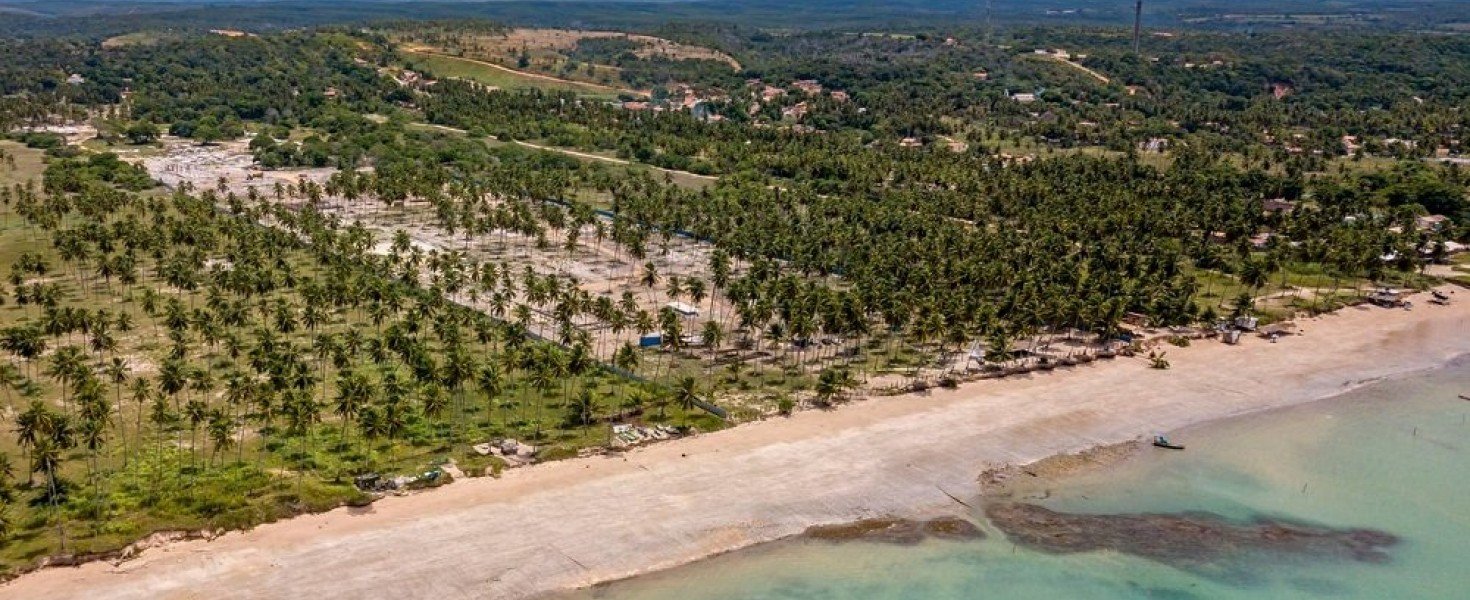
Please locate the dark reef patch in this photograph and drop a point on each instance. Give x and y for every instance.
(897, 531)
(1199, 542)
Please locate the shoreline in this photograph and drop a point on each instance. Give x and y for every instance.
(578, 523)
(1015, 482)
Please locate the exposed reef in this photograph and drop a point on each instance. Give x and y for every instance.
(1199, 542)
(897, 531)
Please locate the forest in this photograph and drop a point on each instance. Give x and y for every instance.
(442, 265)
(103, 18)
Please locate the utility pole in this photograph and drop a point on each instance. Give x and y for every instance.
(1137, 23)
(989, 28)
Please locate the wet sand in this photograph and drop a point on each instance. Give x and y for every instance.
(579, 522)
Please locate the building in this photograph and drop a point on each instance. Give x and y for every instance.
(76, 79)
(795, 112)
(1261, 241)
(1278, 206)
(1431, 222)
(1024, 97)
(808, 86)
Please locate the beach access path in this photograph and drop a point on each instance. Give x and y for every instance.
(579, 522)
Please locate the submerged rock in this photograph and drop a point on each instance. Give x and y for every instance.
(897, 531)
(952, 528)
(1199, 542)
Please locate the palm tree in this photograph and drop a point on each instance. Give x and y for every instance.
(431, 395)
(831, 384)
(712, 335)
(1254, 274)
(197, 412)
(491, 386)
(583, 408)
(7, 471)
(650, 278)
(661, 401)
(67, 364)
(221, 432)
(686, 393)
(354, 391)
(459, 367)
(46, 458)
(31, 427)
(10, 378)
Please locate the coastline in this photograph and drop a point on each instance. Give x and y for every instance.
(580, 522)
(1033, 480)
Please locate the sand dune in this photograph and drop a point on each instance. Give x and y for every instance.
(578, 522)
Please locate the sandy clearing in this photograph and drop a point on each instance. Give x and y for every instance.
(561, 41)
(566, 39)
(579, 154)
(578, 522)
(616, 161)
(425, 50)
(1095, 75)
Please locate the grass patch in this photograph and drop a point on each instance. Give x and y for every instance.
(461, 68)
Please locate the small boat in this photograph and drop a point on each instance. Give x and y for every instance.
(1163, 442)
(1465, 397)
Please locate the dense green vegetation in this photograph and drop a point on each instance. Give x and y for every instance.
(103, 18)
(184, 367)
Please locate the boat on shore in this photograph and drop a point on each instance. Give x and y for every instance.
(1163, 442)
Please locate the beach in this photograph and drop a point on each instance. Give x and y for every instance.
(579, 522)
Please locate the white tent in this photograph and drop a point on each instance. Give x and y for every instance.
(683, 309)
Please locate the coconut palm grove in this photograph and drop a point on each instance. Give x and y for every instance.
(267, 263)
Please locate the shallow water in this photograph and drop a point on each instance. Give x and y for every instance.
(1393, 456)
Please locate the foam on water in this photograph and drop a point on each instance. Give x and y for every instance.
(1392, 456)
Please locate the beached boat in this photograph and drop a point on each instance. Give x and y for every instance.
(1163, 442)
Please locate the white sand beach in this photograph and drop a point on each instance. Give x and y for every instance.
(579, 522)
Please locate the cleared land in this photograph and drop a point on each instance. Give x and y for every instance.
(501, 77)
(547, 55)
(562, 40)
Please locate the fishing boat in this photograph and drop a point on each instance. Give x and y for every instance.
(1163, 442)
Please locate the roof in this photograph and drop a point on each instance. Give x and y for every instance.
(1278, 205)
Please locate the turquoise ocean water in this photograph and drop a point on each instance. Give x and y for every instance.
(1392, 456)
